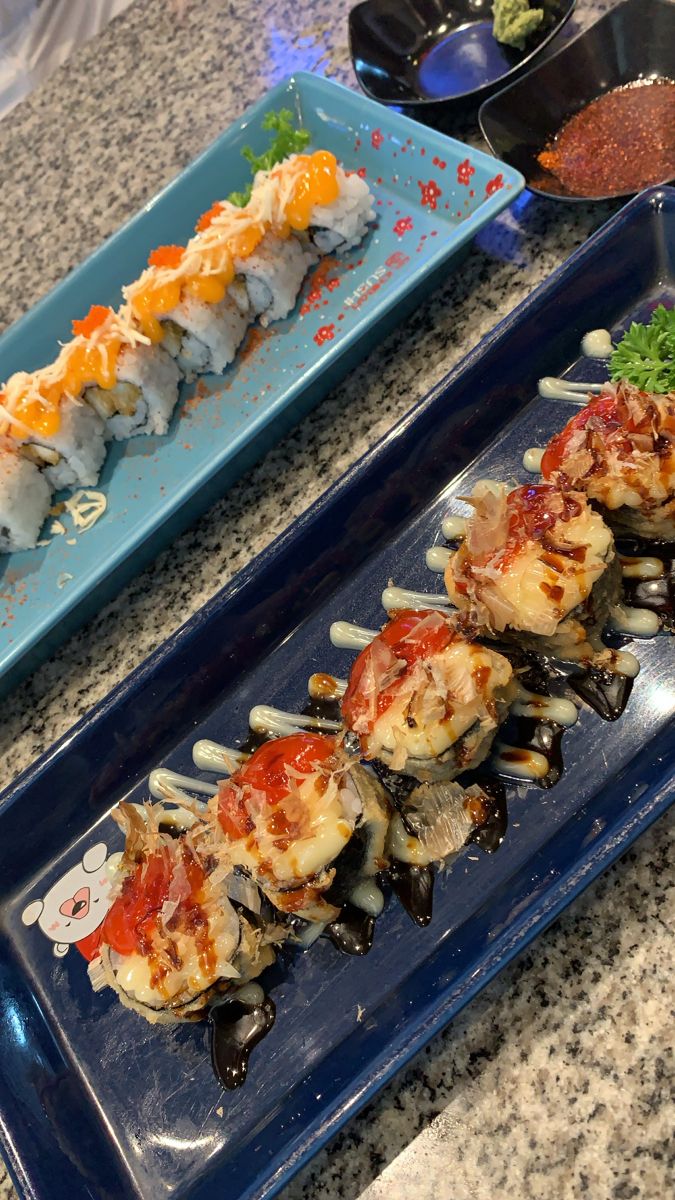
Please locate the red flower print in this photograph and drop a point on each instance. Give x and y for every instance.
(438, 162)
(493, 185)
(430, 193)
(376, 139)
(403, 225)
(325, 333)
(361, 172)
(464, 172)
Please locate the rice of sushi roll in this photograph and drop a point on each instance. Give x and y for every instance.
(306, 823)
(329, 208)
(538, 566)
(25, 497)
(620, 452)
(273, 275)
(426, 700)
(171, 940)
(62, 437)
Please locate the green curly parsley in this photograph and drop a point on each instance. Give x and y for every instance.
(645, 356)
(288, 140)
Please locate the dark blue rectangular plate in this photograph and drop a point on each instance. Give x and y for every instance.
(96, 1103)
(155, 486)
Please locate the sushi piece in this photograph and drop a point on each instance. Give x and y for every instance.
(172, 941)
(424, 699)
(307, 823)
(62, 437)
(620, 452)
(537, 566)
(188, 301)
(328, 208)
(270, 267)
(25, 497)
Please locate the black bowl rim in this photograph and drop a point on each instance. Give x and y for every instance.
(423, 101)
(570, 198)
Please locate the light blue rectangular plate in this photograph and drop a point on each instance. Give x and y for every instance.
(432, 195)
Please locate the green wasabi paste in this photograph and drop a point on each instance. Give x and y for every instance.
(514, 21)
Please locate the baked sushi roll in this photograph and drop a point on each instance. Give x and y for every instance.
(172, 941)
(426, 700)
(537, 566)
(25, 497)
(328, 208)
(306, 823)
(620, 452)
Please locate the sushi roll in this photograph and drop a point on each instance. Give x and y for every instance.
(424, 699)
(310, 194)
(63, 438)
(308, 825)
(620, 452)
(171, 940)
(537, 566)
(25, 497)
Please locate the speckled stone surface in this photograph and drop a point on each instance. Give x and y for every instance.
(559, 1079)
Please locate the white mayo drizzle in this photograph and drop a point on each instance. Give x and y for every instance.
(437, 558)
(639, 622)
(551, 388)
(453, 527)
(265, 719)
(642, 568)
(548, 708)
(316, 687)
(597, 343)
(169, 785)
(625, 663)
(394, 598)
(536, 766)
(345, 636)
(532, 459)
(249, 993)
(180, 818)
(368, 897)
(211, 756)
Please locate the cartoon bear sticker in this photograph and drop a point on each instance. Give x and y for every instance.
(72, 912)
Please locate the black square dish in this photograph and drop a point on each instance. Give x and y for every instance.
(635, 41)
(430, 51)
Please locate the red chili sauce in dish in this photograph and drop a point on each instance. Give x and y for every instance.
(621, 142)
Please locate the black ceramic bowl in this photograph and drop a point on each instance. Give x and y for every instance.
(634, 41)
(427, 51)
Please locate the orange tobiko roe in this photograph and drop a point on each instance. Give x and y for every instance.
(399, 637)
(266, 771)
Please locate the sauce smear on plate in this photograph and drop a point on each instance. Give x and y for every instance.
(623, 141)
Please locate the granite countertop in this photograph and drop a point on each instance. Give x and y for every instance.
(559, 1078)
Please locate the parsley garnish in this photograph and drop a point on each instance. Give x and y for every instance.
(645, 356)
(288, 140)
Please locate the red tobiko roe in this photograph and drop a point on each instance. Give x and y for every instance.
(133, 915)
(97, 315)
(266, 771)
(398, 636)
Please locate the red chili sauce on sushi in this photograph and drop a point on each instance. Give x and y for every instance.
(132, 920)
(401, 639)
(621, 142)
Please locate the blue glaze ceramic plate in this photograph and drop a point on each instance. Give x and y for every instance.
(432, 195)
(95, 1102)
